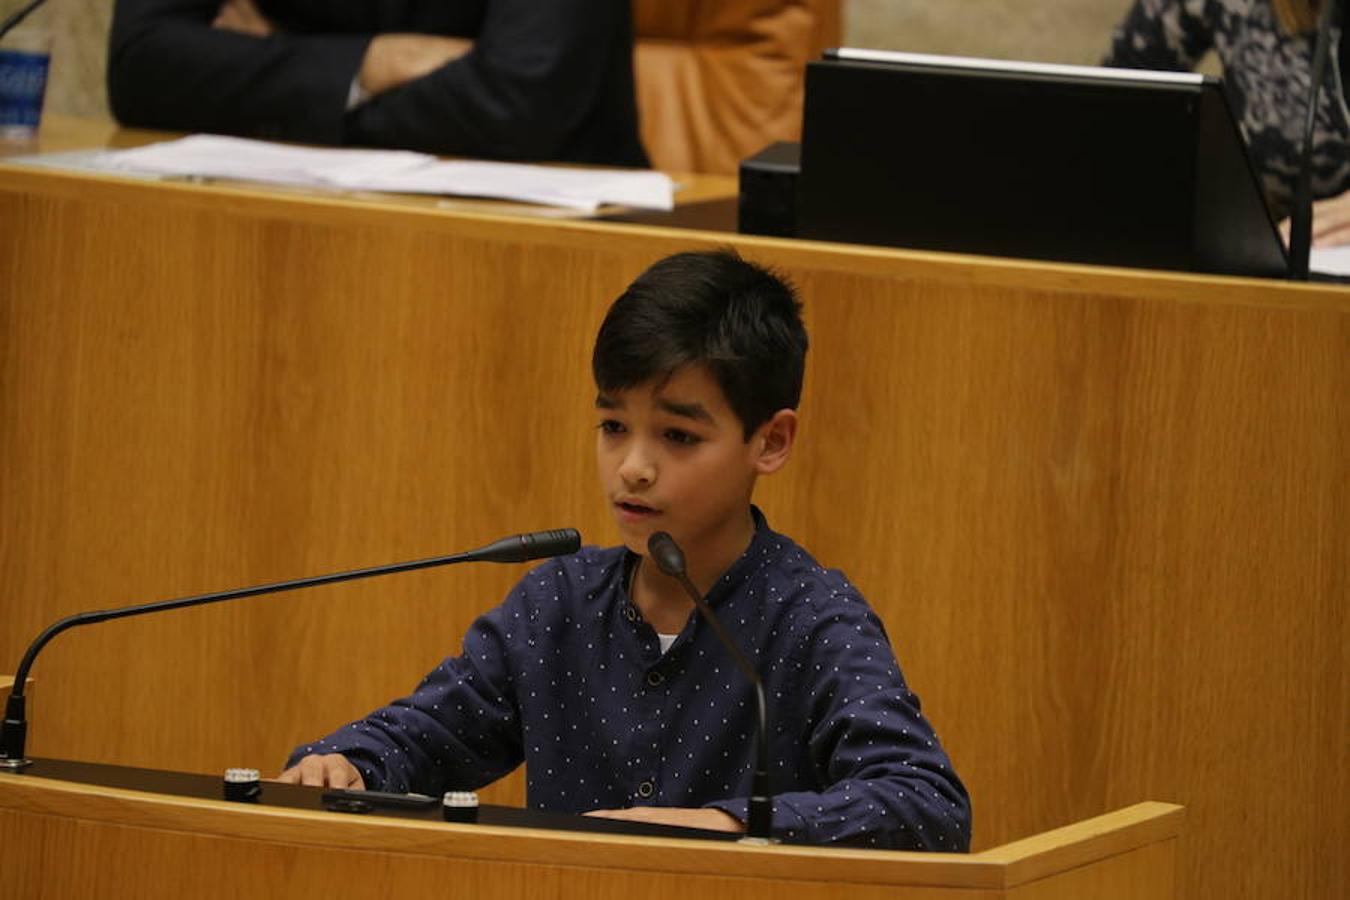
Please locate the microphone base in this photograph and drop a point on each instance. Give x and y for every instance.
(15, 765)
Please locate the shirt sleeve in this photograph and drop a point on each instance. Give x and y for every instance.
(886, 780)
(168, 68)
(460, 729)
(1170, 35)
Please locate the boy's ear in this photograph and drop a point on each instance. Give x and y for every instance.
(773, 441)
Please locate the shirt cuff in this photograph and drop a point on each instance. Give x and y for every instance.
(737, 809)
(786, 826)
(356, 95)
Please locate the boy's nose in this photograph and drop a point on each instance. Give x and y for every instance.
(637, 468)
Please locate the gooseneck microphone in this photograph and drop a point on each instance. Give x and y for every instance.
(759, 812)
(13, 21)
(1300, 215)
(520, 548)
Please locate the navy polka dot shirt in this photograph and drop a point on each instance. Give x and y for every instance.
(567, 677)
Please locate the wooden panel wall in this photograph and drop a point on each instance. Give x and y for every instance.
(1103, 514)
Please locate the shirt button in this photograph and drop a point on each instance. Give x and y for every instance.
(630, 614)
(646, 789)
(654, 678)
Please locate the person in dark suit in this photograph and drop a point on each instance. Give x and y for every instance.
(503, 79)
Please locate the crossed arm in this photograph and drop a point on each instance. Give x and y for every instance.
(390, 61)
(510, 79)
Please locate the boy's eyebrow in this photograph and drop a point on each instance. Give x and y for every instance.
(693, 410)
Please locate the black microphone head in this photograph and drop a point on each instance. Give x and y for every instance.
(525, 547)
(558, 542)
(666, 554)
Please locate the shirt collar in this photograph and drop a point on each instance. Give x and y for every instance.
(763, 544)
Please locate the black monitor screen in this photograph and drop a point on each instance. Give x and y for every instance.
(1069, 163)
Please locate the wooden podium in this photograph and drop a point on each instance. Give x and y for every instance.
(66, 838)
(1102, 512)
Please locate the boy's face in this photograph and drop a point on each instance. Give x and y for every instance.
(672, 457)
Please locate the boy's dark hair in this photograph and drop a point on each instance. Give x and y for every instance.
(740, 320)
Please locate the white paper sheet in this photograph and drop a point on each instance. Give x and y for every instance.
(1330, 260)
(583, 189)
(399, 171)
(212, 156)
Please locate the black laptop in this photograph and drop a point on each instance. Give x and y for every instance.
(1074, 163)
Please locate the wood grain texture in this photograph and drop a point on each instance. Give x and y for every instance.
(130, 828)
(1142, 874)
(74, 861)
(1081, 844)
(1103, 513)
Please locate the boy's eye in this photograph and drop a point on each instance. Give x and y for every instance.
(610, 426)
(677, 436)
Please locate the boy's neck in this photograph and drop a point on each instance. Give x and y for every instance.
(663, 601)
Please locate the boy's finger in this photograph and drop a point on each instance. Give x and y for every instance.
(312, 771)
(337, 772)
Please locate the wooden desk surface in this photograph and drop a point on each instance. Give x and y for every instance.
(60, 134)
(1114, 855)
(1102, 512)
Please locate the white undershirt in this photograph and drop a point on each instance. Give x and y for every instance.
(666, 640)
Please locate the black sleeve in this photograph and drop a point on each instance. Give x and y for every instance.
(168, 68)
(457, 17)
(546, 79)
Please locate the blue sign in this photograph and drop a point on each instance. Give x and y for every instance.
(23, 79)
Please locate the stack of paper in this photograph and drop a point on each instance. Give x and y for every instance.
(399, 171)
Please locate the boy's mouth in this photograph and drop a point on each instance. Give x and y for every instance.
(632, 511)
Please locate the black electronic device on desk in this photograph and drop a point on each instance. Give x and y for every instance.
(1071, 163)
(339, 803)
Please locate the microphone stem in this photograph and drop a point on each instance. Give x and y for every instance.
(711, 618)
(13, 732)
(1300, 216)
(520, 548)
(18, 17)
(759, 811)
(104, 615)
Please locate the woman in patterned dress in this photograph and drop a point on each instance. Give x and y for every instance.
(1266, 49)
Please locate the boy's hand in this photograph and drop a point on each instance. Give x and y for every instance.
(331, 771)
(707, 819)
